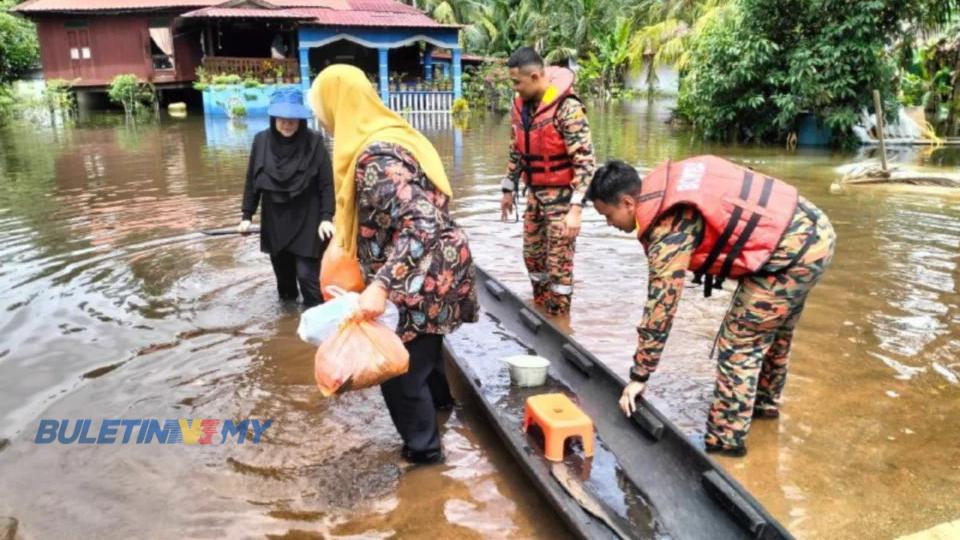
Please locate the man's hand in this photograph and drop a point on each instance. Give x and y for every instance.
(244, 226)
(628, 399)
(373, 301)
(506, 206)
(571, 224)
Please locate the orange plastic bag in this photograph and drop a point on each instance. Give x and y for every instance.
(338, 269)
(361, 354)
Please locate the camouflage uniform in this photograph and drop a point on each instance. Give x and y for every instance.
(547, 254)
(756, 333)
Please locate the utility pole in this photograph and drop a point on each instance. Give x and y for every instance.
(881, 125)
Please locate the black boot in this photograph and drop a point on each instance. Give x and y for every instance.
(428, 457)
(766, 413)
(729, 451)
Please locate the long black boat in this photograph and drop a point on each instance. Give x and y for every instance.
(646, 478)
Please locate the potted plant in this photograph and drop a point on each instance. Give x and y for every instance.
(279, 71)
(202, 76)
(267, 72)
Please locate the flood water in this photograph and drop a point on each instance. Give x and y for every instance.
(113, 306)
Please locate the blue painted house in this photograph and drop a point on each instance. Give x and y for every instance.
(287, 42)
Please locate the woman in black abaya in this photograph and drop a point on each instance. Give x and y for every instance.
(290, 171)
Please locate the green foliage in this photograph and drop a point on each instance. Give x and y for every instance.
(602, 73)
(668, 31)
(931, 79)
(758, 64)
(488, 87)
(132, 93)
(19, 48)
(913, 80)
(222, 80)
(559, 29)
(460, 107)
(748, 67)
(203, 79)
(7, 103)
(58, 95)
(238, 110)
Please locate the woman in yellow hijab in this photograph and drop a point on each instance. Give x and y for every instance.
(393, 214)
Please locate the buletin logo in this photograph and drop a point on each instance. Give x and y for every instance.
(197, 431)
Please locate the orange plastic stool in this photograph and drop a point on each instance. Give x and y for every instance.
(560, 419)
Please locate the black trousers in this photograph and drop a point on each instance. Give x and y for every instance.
(413, 397)
(292, 269)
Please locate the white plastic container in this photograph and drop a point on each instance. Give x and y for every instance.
(527, 370)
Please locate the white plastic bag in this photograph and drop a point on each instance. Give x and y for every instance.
(319, 323)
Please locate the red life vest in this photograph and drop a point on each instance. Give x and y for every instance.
(745, 213)
(543, 155)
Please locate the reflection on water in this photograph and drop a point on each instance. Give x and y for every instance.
(112, 305)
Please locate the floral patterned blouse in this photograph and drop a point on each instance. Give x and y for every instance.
(409, 243)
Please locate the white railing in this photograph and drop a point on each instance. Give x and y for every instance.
(419, 102)
(429, 122)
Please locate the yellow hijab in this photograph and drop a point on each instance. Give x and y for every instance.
(343, 99)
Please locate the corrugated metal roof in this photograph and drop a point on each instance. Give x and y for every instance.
(356, 13)
(330, 17)
(245, 13)
(36, 6)
(288, 9)
(362, 13)
(383, 6)
(332, 4)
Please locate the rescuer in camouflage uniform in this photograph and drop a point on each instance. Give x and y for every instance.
(552, 216)
(756, 333)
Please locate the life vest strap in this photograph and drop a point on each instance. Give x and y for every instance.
(539, 170)
(538, 157)
(812, 238)
(748, 229)
(714, 282)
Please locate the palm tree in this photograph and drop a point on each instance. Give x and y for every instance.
(670, 30)
(473, 37)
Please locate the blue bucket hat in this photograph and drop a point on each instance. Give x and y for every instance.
(288, 103)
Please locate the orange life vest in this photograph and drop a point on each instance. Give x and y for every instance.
(544, 161)
(745, 213)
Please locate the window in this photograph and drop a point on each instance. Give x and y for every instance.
(161, 47)
(78, 40)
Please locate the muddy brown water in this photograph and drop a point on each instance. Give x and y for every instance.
(111, 306)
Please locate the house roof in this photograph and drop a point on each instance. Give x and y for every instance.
(373, 18)
(41, 6)
(355, 13)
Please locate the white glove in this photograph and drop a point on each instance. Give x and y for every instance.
(244, 226)
(325, 230)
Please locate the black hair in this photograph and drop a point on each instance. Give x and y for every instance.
(524, 57)
(612, 180)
